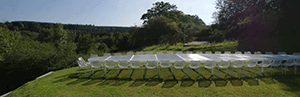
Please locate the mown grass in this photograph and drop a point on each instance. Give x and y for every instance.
(68, 83)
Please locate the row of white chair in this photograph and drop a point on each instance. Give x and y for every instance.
(190, 52)
(193, 65)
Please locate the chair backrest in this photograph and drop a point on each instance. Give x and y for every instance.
(117, 54)
(81, 63)
(210, 63)
(93, 55)
(160, 52)
(123, 63)
(170, 52)
(252, 62)
(238, 63)
(151, 64)
(165, 63)
(237, 52)
(135, 63)
(257, 53)
(189, 52)
(290, 61)
(129, 53)
(277, 61)
(149, 53)
(268, 53)
(139, 53)
(266, 62)
(227, 52)
(199, 52)
(208, 52)
(195, 63)
(109, 63)
(247, 52)
(179, 52)
(179, 64)
(296, 53)
(96, 63)
(107, 54)
(218, 52)
(281, 53)
(224, 64)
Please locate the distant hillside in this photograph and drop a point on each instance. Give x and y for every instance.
(38, 26)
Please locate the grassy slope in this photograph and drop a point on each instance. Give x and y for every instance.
(67, 83)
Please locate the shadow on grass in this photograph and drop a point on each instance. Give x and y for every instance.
(121, 81)
(220, 82)
(93, 81)
(169, 83)
(138, 82)
(251, 81)
(235, 81)
(107, 81)
(187, 82)
(154, 81)
(79, 80)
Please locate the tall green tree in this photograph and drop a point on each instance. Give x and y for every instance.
(160, 8)
(59, 35)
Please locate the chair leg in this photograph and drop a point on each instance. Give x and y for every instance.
(129, 72)
(281, 70)
(285, 69)
(104, 72)
(158, 69)
(142, 72)
(271, 70)
(84, 70)
(295, 69)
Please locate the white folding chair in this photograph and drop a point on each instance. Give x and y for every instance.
(237, 64)
(93, 55)
(117, 54)
(247, 53)
(289, 62)
(152, 65)
(194, 65)
(227, 52)
(297, 63)
(82, 63)
(251, 64)
(170, 52)
(199, 52)
(189, 52)
(281, 53)
(265, 63)
(110, 64)
(179, 65)
(165, 64)
(218, 52)
(124, 64)
(130, 53)
(139, 53)
(276, 63)
(179, 52)
(268, 53)
(208, 52)
(223, 64)
(257, 53)
(107, 54)
(210, 65)
(135, 65)
(237, 52)
(149, 53)
(160, 52)
(296, 53)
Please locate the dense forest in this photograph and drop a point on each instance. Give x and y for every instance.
(28, 49)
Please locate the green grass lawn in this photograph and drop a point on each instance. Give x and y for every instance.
(67, 82)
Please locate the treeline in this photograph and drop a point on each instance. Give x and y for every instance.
(259, 25)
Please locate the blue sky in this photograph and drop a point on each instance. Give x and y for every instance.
(96, 12)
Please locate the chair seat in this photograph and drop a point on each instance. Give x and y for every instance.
(236, 66)
(209, 66)
(135, 66)
(275, 65)
(150, 67)
(123, 66)
(264, 65)
(96, 66)
(165, 66)
(110, 66)
(250, 65)
(179, 67)
(223, 66)
(194, 67)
